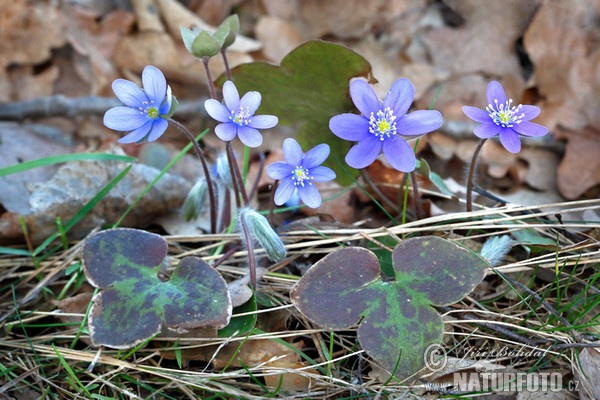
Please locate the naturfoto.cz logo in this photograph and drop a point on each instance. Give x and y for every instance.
(436, 360)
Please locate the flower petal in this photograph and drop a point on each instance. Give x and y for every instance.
(487, 130)
(226, 132)
(477, 114)
(322, 174)
(510, 140)
(530, 129)
(495, 91)
(249, 136)
(364, 153)
(155, 84)
(399, 154)
(137, 134)
(400, 97)
(364, 97)
(217, 110)
(166, 105)
(529, 112)
(284, 191)
(124, 118)
(159, 127)
(309, 194)
(129, 93)
(350, 127)
(231, 96)
(292, 152)
(418, 123)
(263, 121)
(316, 156)
(279, 170)
(250, 100)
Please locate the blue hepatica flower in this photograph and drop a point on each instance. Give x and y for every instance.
(299, 171)
(237, 116)
(504, 119)
(145, 110)
(383, 125)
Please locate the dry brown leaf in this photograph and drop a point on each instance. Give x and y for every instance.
(278, 37)
(147, 15)
(28, 32)
(562, 44)
(579, 170)
(486, 41)
(95, 41)
(542, 165)
(589, 361)
(27, 85)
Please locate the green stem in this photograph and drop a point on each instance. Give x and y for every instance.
(416, 199)
(472, 173)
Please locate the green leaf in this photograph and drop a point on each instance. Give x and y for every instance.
(397, 320)
(307, 90)
(134, 303)
(241, 324)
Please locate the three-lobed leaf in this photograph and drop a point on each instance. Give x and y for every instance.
(310, 87)
(134, 304)
(397, 320)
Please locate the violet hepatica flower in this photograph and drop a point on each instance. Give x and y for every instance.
(237, 116)
(145, 111)
(504, 119)
(383, 125)
(299, 171)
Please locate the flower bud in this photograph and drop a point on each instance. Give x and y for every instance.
(261, 231)
(222, 170)
(195, 200)
(200, 43)
(496, 248)
(228, 30)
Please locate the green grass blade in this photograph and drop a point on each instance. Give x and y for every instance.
(85, 209)
(41, 162)
(160, 175)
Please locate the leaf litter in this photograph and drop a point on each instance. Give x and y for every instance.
(411, 38)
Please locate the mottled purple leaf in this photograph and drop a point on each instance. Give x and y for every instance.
(396, 318)
(134, 304)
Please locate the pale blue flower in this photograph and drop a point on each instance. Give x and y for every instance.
(145, 111)
(299, 171)
(237, 116)
(504, 119)
(383, 126)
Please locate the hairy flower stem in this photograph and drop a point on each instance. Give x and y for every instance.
(226, 63)
(416, 198)
(472, 173)
(236, 174)
(200, 153)
(250, 249)
(211, 84)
